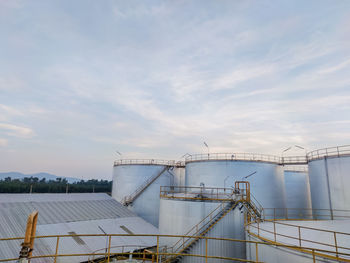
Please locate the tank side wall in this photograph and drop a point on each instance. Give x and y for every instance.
(318, 185)
(339, 181)
(267, 184)
(147, 204)
(298, 193)
(127, 178)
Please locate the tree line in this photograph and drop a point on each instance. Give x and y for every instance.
(60, 185)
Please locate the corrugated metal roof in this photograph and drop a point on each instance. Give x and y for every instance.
(58, 213)
(12, 198)
(91, 244)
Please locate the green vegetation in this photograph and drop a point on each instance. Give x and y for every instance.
(34, 185)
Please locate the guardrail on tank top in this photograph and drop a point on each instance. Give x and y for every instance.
(254, 157)
(149, 162)
(336, 151)
(145, 161)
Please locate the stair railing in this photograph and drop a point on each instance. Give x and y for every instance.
(130, 198)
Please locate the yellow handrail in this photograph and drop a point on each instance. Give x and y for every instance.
(297, 236)
(341, 256)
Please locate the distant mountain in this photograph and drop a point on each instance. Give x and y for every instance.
(17, 175)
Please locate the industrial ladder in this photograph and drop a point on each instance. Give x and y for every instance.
(243, 198)
(127, 200)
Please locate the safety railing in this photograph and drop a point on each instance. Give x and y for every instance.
(293, 160)
(256, 157)
(213, 194)
(254, 204)
(281, 232)
(296, 168)
(122, 249)
(193, 192)
(233, 157)
(130, 198)
(146, 162)
(197, 230)
(305, 214)
(158, 254)
(336, 151)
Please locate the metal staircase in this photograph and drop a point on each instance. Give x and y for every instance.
(242, 198)
(128, 200)
(191, 242)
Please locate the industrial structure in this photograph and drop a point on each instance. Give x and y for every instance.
(214, 207)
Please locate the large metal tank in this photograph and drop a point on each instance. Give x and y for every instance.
(329, 178)
(133, 181)
(298, 196)
(264, 173)
(183, 217)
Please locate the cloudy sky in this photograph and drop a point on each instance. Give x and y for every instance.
(80, 80)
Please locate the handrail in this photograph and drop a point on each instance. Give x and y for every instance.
(253, 157)
(197, 192)
(219, 208)
(296, 168)
(233, 157)
(145, 161)
(341, 256)
(237, 195)
(297, 213)
(95, 252)
(297, 236)
(335, 151)
(130, 198)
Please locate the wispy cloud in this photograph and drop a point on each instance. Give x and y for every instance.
(15, 130)
(156, 79)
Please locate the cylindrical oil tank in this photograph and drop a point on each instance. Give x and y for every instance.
(298, 196)
(139, 181)
(182, 217)
(264, 173)
(329, 179)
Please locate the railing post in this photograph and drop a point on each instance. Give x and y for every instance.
(256, 253)
(274, 213)
(57, 242)
(299, 236)
(274, 230)
(157, 249)
(109, 248)
(206, 250)
(313, 256)
(336, 243)
(258, 229)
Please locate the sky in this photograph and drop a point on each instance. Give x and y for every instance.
(82, 80)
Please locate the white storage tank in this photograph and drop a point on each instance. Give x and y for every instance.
(264, 173)
(185, 216)
(298, 196)
(329, 178)
(136, 184)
